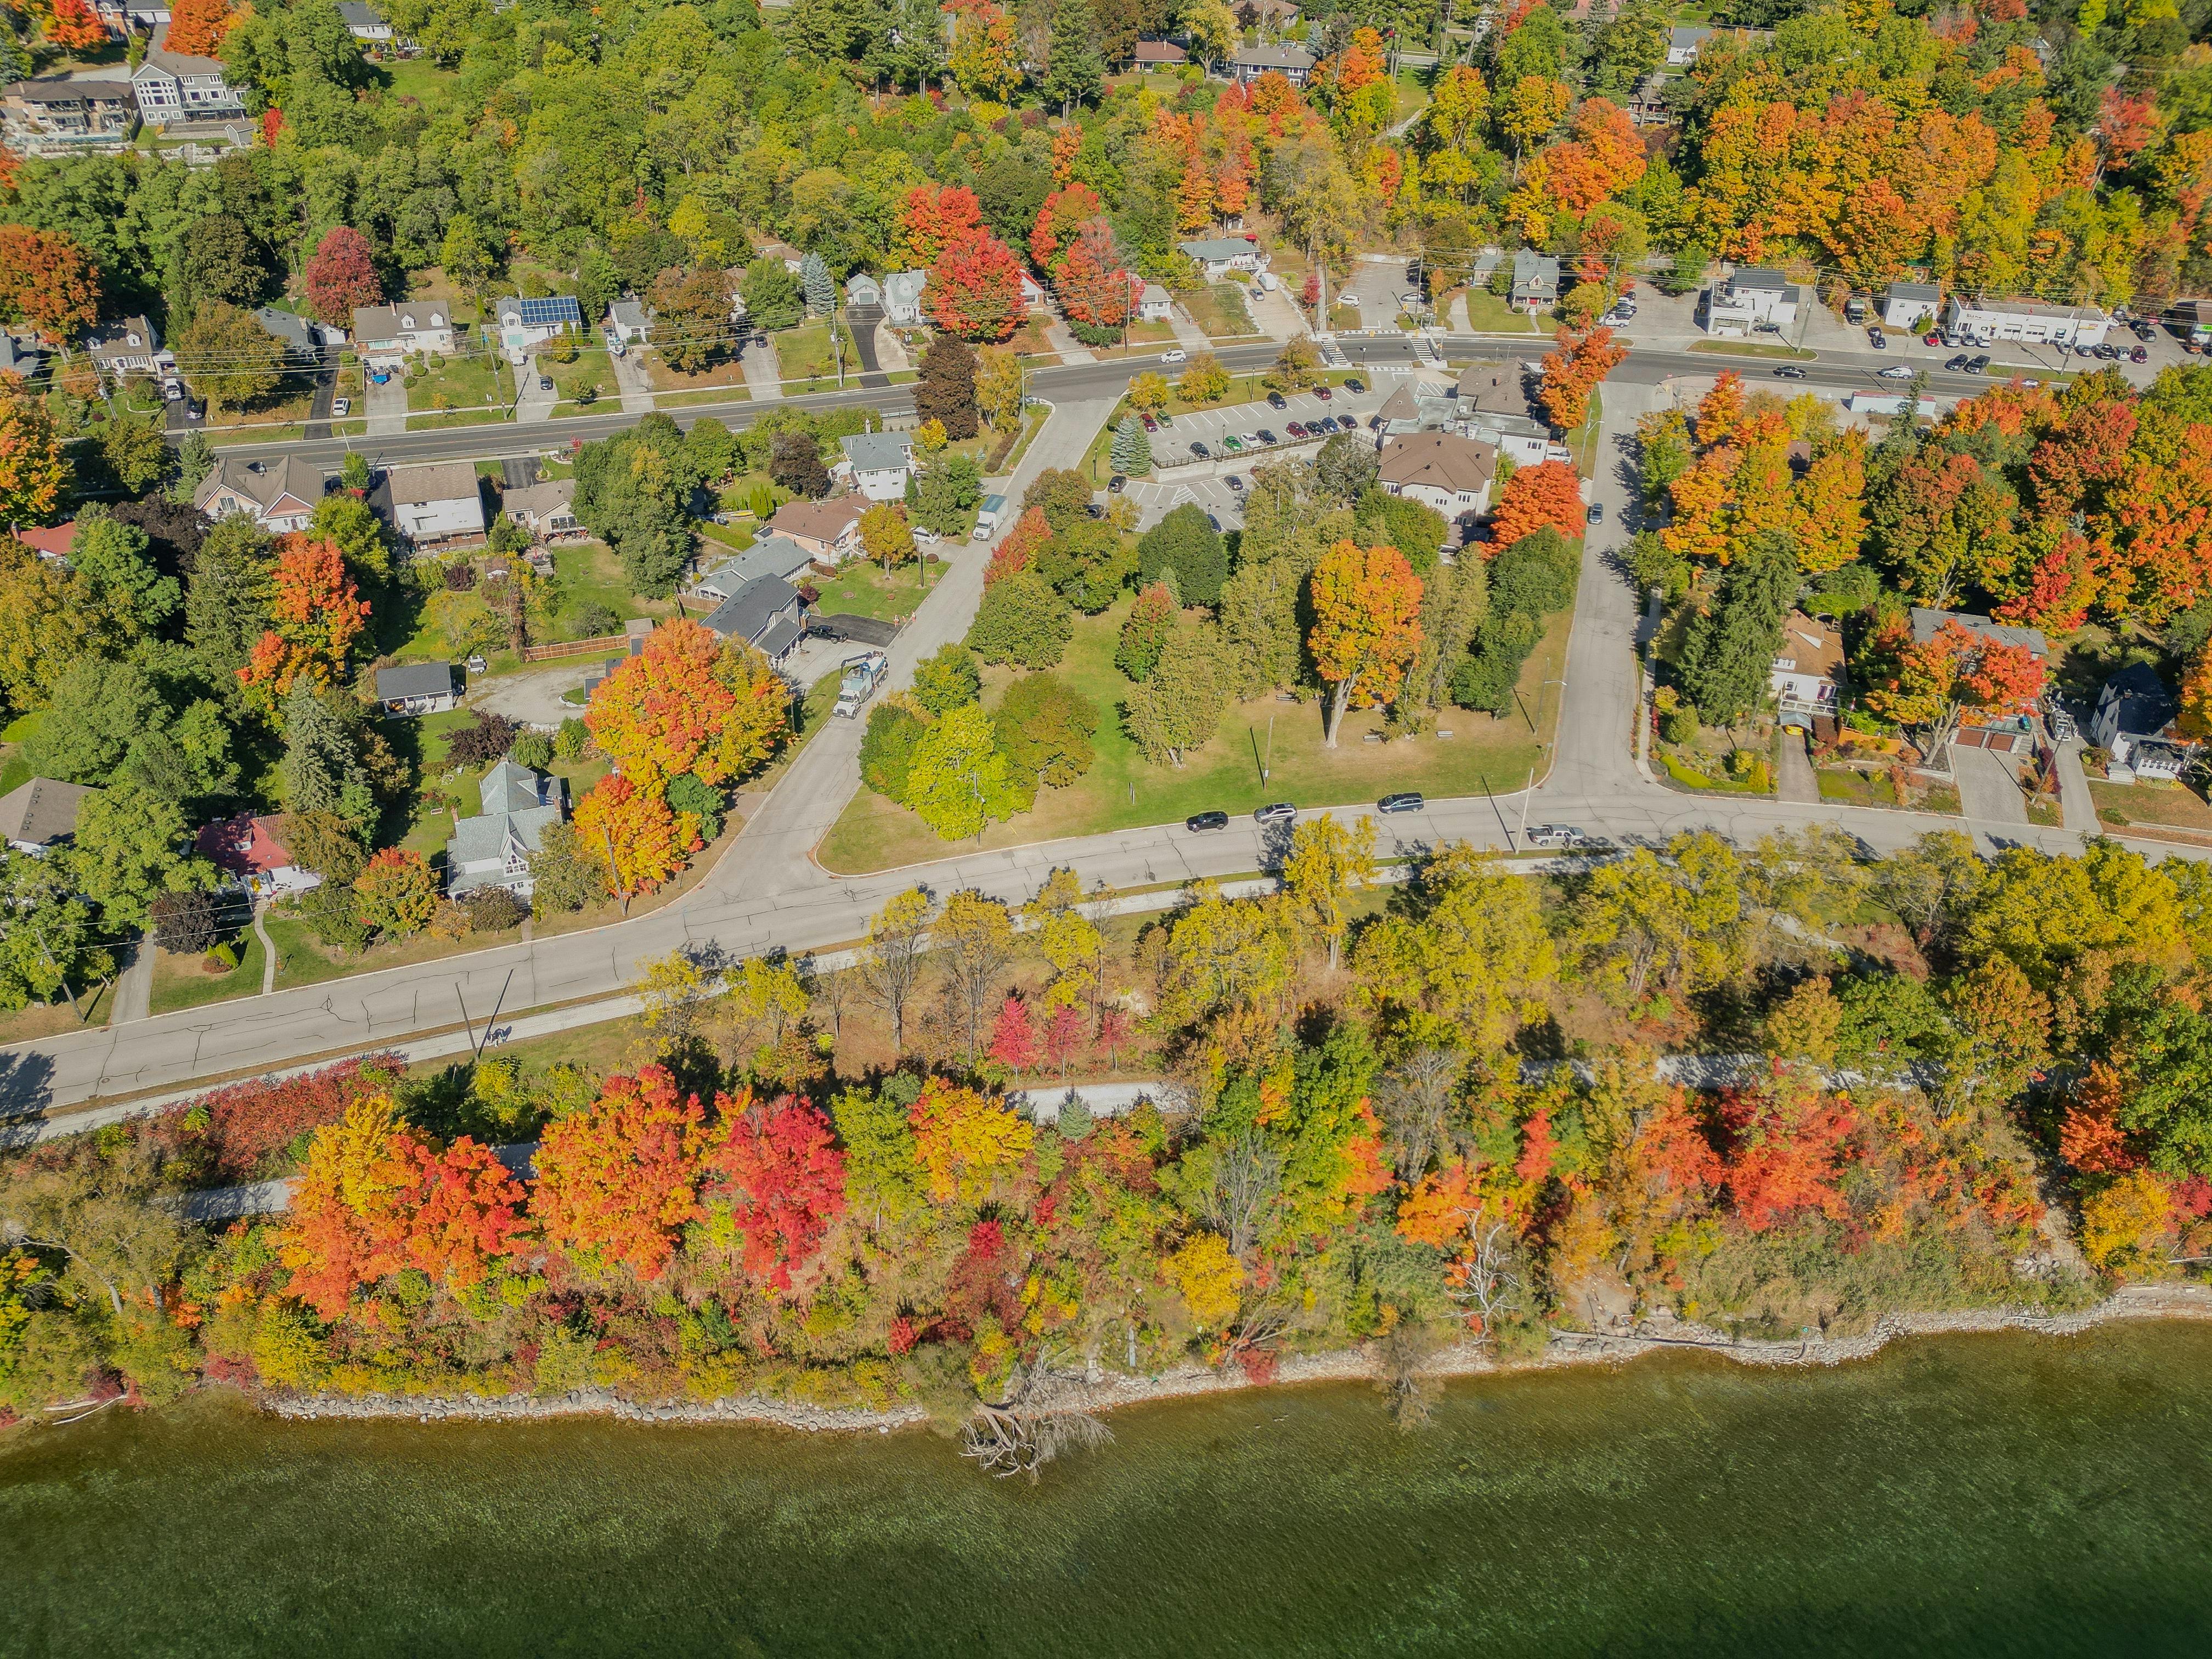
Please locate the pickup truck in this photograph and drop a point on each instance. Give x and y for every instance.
(863, 674)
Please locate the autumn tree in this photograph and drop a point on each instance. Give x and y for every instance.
(315, 615)
(965, 1140)
(1367, 608)
(1934, 683)
(47, 281)
(1178, 707)
(618, 1181)
(1329, 859)
(974, 937)
(975, 288)
(227, 357)
(891, 961)
(957, 781)
(690, 317)
(1471, 959)
(395, 894)
(1549, 492)
(1203, 380)
(932, 217)
(196, 28)
(630, 832)
(688, 702)
(780, 1178)
(341, 273)
(885, 535)
(34, 472)
(1573, 370)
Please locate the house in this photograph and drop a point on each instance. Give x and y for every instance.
(1493, 388)
(1754, 300)
(878, 463)
(250, 852)
(171, 87)
(278, 495)
(1683, 45)
(1904, 304)
(1154, 304)
(22, 358)
(1807, 677)
(1033, 294)
(546, 510)
(1527, 440)
(2031, 322)
(50, 543)
(1440, 470)
(790, 257)
(1294, 63)
(1415, 405)
(829, 531)
(417, 688)
(1535, 282)
(2004, 733)
(775, 556)
(1647, 105)
(863, 293)
(126, 346)
(35, 815)
(2134, 724)
(521, 324)
(384, 336)
(630, 321)
(767, 613)
(302, 338)
(1217, 256)
(366, 23)
(125, 18)
(1158, 54)
(494, 848)
(441, 501)
(903, 298)
(57, 116)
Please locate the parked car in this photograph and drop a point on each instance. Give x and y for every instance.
(1176, 356)
(545, 383)
(1235, 482)
(1276, 400)
(1877, 340)
(1789, 372)
(1280, 811)
(1323, 393)
(2138, 355)
(1269, 438)
(1895, 372)
(1296, 430)
(1406, 801)
(1980, 365)
(2144, 330)
(1355, 384)
(1931, 338)
(1200, 452)
(1557, 835)
(1596, 513)
(341, 407)
(1329, 424)
(1957, 363)
(1253, 440)
(1200, 823)
(1151, 425)
(1116, 484)
(1215, 522)
(1231, 443)
(1165, 420)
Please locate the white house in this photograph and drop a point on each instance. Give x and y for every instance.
(1807, 677)
(1217, 256)
(829, 532)
(903, 292)
(436, 503)
(2030, 322)
(417, 688)
(494, 848)
(280, 496)
(1904, 304)
(251, 854)
(366, 23)
(384, 336)
(630, 321)
(521, 324)
(171, 87)
(129, 345)
(124, 18)
(1294, 63)
(1154, 305)
(863, 293)
(1440, 470)
(2135, 725)
(879, 463)
(1753, 301)
(1535, 282)
(1683, 45)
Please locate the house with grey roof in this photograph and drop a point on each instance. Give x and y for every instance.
(279, 496)
(545, 510)
(630, 321)
(1535, 282)
(494, 848)
(366, 23)
(436, 502)
(175, 86)
(1217, 256)
(129, 345)
(1904, 304)
(772, 555)
(1752, 300)
(519, 324)
(1684, 44)
(59, 115)
(36, 815)
(903, 291)
(767, 613)
(1294, 63)
(878, 463)
(385, 336)
(417, 688)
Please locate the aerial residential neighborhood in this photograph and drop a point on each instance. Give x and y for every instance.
(869, 717)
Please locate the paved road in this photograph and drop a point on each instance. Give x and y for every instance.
(769, 891)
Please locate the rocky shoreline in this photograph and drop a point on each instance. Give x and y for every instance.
(1344, 1365)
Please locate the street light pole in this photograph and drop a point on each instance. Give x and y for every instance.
(1525, 795)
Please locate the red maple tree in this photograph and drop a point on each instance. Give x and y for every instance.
(1064, 1035)
(1549, 492)
(196, 28)
(1056, 222)
(341, 274)
(933, 217)
(1013, 1039)
(975, 288)
(784, 1179)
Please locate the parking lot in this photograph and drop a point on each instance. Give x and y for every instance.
(1184, 477)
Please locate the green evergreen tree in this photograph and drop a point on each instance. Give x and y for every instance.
(1132, 450)
(1073, 72)
(814, 279)
(1730, 651)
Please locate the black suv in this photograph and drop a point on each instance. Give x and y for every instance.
(1198, 822)
(1275, 400)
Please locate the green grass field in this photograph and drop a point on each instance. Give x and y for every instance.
(862, 590)
(1123, 790)
(181, 982)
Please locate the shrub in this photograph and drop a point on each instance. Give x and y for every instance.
(887, 750)
(592, 622)
(572, 738)
(482, 743)
(1679, 724)
(533, 750)
(187, 923)
(460, 578)
(494, 909)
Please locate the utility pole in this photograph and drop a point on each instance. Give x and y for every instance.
(1525, 795)
(1268, 766)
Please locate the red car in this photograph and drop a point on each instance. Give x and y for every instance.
(1931, 340)
(1323, 393)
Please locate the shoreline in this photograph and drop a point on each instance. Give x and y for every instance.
(1566, 1348)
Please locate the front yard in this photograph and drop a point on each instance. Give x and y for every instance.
(2151, 806)
(862, 589)
(1221, 310)
(459, 390)
(804, 358)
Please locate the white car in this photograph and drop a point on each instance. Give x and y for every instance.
(1895, 372)
(341, 407)
(1176, 356)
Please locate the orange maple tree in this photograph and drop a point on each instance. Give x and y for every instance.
(688, 702)
(46, 280)
(975, 288)
(1019, 549)
(1067, 207)
(71, 24)
(315, 614)
(1367, 625)
(1549, 492)
(196, 28)
(1934, 681)
(34, 470)
(630, 832)
(1787, 1142)
(619, 1182)
(1573, 370)
(933, 216)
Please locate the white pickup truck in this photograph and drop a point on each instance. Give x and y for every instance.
(863, 674)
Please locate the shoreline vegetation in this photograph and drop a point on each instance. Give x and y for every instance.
(1567, 1350)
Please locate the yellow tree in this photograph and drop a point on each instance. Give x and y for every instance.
(1367, 625)
(1474, 954)
(2197, 695)
(885, 535)
(963, 1140)
(631, 834)
(33, 470)
(1327, 860)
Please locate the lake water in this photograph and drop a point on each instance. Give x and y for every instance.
(1963, 1496)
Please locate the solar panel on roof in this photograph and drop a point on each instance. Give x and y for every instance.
(546, 312)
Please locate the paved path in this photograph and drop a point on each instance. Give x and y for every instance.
(2073, 798)
(764, 374)
(534, 698)
(533, 404)
(1989, 788)
(387, 407)
(268, 950)
(636, 381)
(1793, 777)
(134, 992)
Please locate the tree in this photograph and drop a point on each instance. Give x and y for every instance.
(885, 535)
(1145, 632)
(771, 294)
(814, 282)
(1573, 370)
(1131, 453)
(1367, 606)
(632, 490)
(887, 749)
(947, 678)
(1294, 366)
(690, 317)
(1073, 72)
(946, 389)
(619, 1182)
(963, 1140)
(1021, 621)
(322, 770)
(51, 943)
(32, 469)
(135, 452)
(1013, 1036)
(795, 463)
(114, 563)
(1327, 859)
(975, 288)
(1178, 709)
(222, 260)
(781, 1178)
(2196, 720)
(315, 614)
(957, 781)
(227, 357)
(196, 28)
(1045, 727)
(47, 281)
(941, 497)
(1203, 380)
(1548, 493)
(1932, 682)
(1473, 956)
(1000, 385)
(1347, 466)
(632, 834)
(1186, 543)
(974, 936)
(396, 893)
(933, 216)
(688, 702)
(125, 853)
(1728, 654)
(891, 961)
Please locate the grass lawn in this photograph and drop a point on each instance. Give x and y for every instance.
(1488, 315)
(180, 981)
(725, 380)
(862, 589)
(38, 1019)
(294, 397)
(418, 78)
(1752, 349)
(2161, 805)
(1123, 790)
(590, 573)
(460, 390)
(1852, 788)
(583, 386)
(804, 355)
(1219, 310)
(14, 771)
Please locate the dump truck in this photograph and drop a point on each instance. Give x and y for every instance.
(863, 674)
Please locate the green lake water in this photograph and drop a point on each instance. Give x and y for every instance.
(1963, 1496)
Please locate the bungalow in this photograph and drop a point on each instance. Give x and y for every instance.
(36, 815)
(1752, 300)
(278, 495)
(174, 85)
(829, 531)
(1647, 106)
(1158, 54)
(303, 339)
(1683, 45)
(366, 23)
(1217, 256)
(2005, 733)
(903, 291)
(1535, 282)
(879, 463)
(775, 555)
(630, 321)
(19, 357)
(1807, 677)
(52, 543)
(546, 510)
(126, 346)
(384, 336)
(767, 613)
(521, 324)
(1440, 470)
(251, 853)
(1154, 304)
(56, 116)
(1904, 304)
(1294, 63)
(493, 849)
(2030, 322)
(2134, 724)
(441, 501)
(417, 688)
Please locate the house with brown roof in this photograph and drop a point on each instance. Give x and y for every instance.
(431, 505)
(1807, 677)
(34, 816)
(1440, 470)
(829, 531)
(278, 495)
(546, 510)
(1158, 54)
